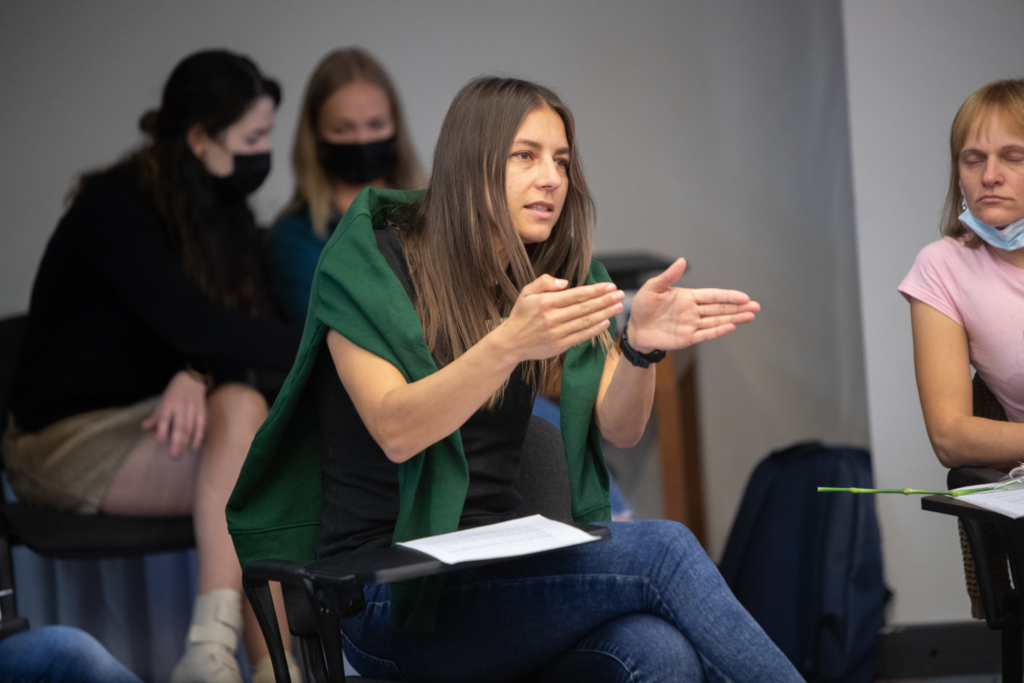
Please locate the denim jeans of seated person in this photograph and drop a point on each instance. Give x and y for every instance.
(59, 654)
(647, 605)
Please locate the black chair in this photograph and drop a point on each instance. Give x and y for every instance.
(65, 535)
(988, 549)
(318, 595)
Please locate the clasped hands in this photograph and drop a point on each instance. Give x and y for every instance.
(547, 318)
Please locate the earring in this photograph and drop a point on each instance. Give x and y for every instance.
(963, 204)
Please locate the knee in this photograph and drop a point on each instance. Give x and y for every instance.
(65, 643)
(674, 538)
(57, 653)
(646, 647)
(237, 405)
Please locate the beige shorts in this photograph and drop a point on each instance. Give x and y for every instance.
(71, 463)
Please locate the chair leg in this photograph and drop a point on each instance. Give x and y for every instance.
(262, 602)
(10, 622)
(328, 627)
(1013, 647)
(313, 658)
(1013, 656)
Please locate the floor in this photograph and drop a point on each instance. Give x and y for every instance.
(974, 678)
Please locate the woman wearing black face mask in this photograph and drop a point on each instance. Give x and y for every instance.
(149, 307)
(351, 135)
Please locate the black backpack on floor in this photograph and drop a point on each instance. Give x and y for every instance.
(808, 565)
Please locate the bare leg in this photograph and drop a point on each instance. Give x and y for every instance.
(152, 482)
(233, 414)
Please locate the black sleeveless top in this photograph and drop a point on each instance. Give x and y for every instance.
(360, 484)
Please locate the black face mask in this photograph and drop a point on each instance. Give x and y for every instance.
(250, 172)
(358, 164)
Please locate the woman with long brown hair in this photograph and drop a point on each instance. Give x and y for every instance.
(148, 311)
(434, 320)
(966, 290)
(351, 135)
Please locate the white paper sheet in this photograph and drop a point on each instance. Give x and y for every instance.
(1009, 502)
(516, 537)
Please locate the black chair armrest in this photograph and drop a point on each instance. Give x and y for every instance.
(971, 476)
(397, 563)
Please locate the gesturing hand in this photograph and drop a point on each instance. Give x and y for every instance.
(181, 412)
(667, 317)
(547, 318)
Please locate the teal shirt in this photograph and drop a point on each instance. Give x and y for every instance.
(293, 250)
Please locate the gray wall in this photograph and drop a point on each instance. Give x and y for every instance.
(911, 64)
(716, 131)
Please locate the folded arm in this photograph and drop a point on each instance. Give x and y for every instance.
(942, 366)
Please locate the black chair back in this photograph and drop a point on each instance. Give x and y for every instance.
(12, 336)
(543, 481)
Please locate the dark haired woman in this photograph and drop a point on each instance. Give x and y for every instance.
(148, 308)
(351, 135)
(434, 326)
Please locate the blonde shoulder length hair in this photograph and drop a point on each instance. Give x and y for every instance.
(461, 288)
(312, 187)
(1005, 98)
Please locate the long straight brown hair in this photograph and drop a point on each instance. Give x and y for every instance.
(312, 187)
(462, 291)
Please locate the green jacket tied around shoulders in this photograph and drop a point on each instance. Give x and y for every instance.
(274, 511)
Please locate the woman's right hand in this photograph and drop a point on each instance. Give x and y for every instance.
(181, 414)
(547, 319)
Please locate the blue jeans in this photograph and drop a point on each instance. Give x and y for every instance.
(647, 605)
(59, 654)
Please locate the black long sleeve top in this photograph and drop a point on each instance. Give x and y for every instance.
(113, 316)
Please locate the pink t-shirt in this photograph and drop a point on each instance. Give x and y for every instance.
(985, 295)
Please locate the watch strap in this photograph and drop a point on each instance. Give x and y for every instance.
(640, 360)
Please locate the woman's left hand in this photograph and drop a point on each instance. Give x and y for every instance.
(668, 318)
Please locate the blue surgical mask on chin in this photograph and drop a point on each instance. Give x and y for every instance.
(1009, 238)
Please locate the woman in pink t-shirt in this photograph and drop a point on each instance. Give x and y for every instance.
(966, 291)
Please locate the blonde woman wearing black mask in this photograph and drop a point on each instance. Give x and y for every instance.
(351, 135)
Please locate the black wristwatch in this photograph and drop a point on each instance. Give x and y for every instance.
(641, 360)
